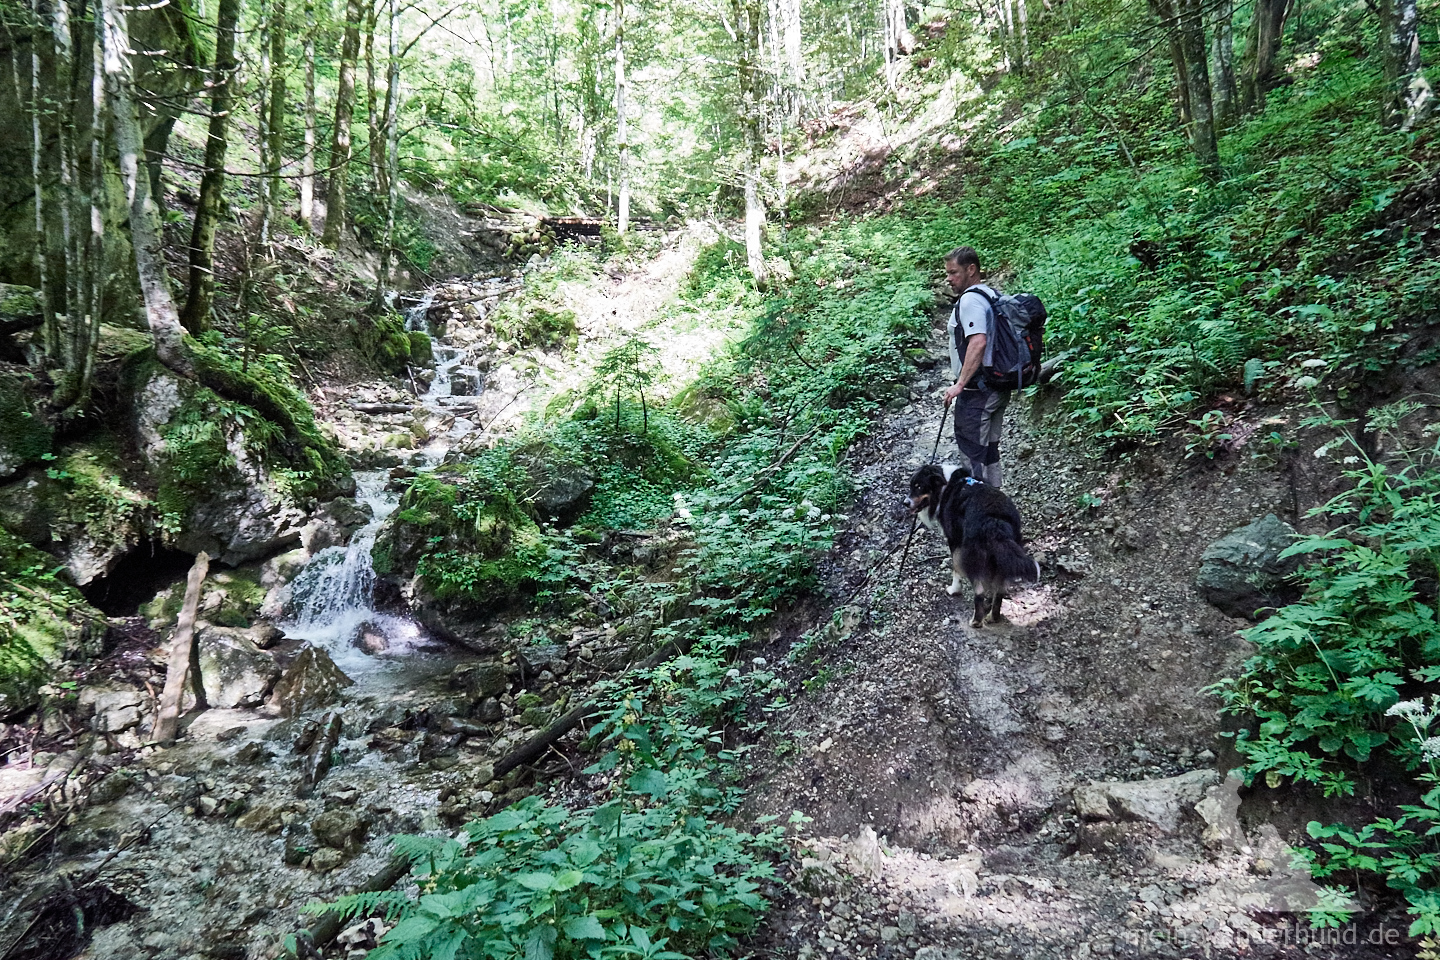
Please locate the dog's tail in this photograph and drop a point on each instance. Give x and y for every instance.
(1013, 563)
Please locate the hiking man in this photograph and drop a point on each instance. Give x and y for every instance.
(979, 410)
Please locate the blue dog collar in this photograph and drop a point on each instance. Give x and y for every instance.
(971, 481)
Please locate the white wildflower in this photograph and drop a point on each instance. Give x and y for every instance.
(1430, 749)
(812, 514)
(1349, 460)
(1305, 383)
(723, 520)
(1407, 709)
(759, 661)
(1313, 363)
(1322, 451)
(824, 518)
(732, 673)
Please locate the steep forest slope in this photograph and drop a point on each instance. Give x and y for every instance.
(537, 468)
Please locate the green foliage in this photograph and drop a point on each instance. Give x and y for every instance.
(42, 619)
(87, 489)
(649, 873)
(1333, 672)
(24, 437)
(264, 384)
(628, 368)
(540, 314)
(468, 537)
(384, 341)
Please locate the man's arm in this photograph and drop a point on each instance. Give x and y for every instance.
(974, 359)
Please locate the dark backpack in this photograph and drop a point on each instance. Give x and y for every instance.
(1019, 339)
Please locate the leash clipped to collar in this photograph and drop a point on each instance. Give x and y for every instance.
(915, 517)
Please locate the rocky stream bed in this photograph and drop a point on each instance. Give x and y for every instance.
(1045, 788)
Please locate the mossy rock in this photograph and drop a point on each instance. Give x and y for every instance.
(384, 342)
(422, 352)
(19, 306)
(49, 621)
(24, 436)
(467, 538)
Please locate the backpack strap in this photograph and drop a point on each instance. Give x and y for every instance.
(989, 302)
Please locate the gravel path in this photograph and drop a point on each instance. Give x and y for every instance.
(940, 764)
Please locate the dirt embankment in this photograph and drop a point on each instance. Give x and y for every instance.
(940, 763)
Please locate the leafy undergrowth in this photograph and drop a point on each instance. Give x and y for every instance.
(1298, 266)
(1341, 687)
(740, 471)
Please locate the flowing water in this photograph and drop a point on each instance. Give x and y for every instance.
(332, 600)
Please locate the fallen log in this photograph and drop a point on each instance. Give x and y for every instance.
(382, 407)
(532, 749)
(179, 663)
(309, 943)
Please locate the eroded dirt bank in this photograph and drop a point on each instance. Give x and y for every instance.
(949, 771)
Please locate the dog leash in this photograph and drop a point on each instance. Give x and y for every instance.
(915, 517)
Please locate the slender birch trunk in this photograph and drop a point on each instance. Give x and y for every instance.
(622, 221)
(392, 152)
(198, 303)
(37, 163)
(1222, 63)
(335, 214)
(307, 160)
(275, 127)
(262, 124)
(747, 33)
(160, 313)
(1410, 98)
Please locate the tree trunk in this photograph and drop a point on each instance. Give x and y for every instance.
(168, 716)
(1222, 63)
(307, 160)
(392, 152)
(622, 222)
(340, 142)
(1202, 115)
(276, 124)
(747, 35)
(1022, 33)
(93, 251)
(1410, 99)
(1168, 15)
(376, 144)
(212, 183)
(160, 311)
(37, 181)
(1267, 27)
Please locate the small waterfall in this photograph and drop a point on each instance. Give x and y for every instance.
(334, 596)
(418, 316)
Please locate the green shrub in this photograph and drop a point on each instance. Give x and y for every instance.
(384, 342)
(1337, 685)
(24, 437)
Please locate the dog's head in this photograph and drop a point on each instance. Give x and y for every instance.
(925, 488)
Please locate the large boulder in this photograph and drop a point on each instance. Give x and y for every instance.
(233, 670)
(211, 481)
(1242, 572)
(560, 490)
(1160, 802)
(312, 680)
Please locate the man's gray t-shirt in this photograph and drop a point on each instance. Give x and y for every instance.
(972, 314)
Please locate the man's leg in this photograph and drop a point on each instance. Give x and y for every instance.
(991, 424)
(970, 422)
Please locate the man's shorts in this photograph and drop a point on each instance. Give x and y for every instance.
(979, 418)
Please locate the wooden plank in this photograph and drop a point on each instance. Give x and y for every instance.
(179, 667)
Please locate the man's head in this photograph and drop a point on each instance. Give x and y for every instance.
(962, 268)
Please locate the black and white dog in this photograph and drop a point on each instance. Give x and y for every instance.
(982, 528)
